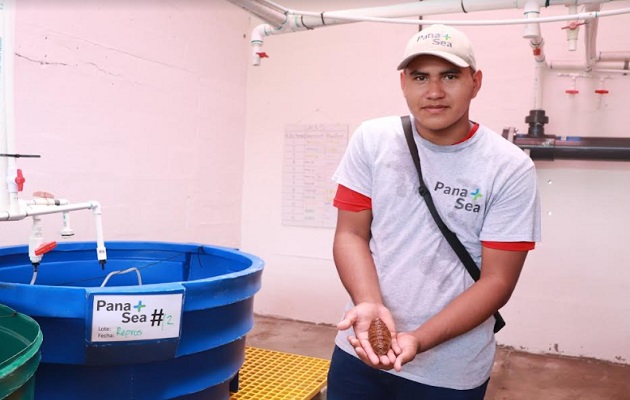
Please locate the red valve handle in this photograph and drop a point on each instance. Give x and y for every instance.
(19, 179)
(601, 91)
(44, 195)
(573, 25)
(572, 91)
(45, 248)
(262, 54)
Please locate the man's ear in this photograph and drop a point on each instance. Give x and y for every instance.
(477, 77)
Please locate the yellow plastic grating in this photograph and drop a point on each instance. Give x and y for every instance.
(274, 375)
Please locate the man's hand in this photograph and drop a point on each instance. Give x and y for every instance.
(359, 318)
(409, 347)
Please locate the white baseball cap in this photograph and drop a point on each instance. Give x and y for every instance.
(442, 41)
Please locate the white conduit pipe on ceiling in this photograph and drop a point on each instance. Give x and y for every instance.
(311, 20)
(303, 20)
(274, 15)
(389, 14)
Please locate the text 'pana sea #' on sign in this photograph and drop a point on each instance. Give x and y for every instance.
(118, 318)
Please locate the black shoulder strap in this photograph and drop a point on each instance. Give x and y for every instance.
(451, 237)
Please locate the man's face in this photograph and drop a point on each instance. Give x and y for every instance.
(438, 94)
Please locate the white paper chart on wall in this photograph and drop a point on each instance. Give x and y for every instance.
(311, 155)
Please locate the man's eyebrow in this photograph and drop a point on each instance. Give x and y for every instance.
(452, 71)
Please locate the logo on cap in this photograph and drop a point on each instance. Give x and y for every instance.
(437, 39)
(441, 41)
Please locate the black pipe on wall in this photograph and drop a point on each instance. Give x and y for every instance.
(575, 148)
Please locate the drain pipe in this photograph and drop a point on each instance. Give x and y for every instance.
(536, 118)
(591, 37)
(101, 253)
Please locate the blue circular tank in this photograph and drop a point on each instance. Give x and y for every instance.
(159, 321)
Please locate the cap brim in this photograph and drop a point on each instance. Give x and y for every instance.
(447, 56)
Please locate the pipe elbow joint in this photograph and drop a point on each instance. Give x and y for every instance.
(95, 206)
(531, 10)
(258, 33)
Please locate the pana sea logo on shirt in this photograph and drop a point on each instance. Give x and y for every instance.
(464, 199)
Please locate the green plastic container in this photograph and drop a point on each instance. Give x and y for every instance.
(20, 340)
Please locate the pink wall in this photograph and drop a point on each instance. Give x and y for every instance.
(138, 105)
(573, 293)
(150, 108)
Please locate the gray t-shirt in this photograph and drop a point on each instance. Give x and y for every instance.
(484, 189)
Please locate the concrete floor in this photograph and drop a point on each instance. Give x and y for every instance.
(516, 375)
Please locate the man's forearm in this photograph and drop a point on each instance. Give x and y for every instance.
(356, 269)
(499, 273)
(463, 314)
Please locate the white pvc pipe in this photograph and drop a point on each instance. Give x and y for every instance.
(46, 202)
(532, 12)
(44, 210)
(273, 5)
(11, 207)
(576, 65)
(332, 18)
(257, 36)
(538, 85)
(573, 33)
(302, 20)
(590, 40)
(8, 192)
(297, 21)
(611, 71)
(66, 231)
(433, 7)
(623, 56)
(95, 206)
(265, 12)
(538, 47)
(35, 240)
(101, 253)
(537, 43)
(35, 210)
(10, 215)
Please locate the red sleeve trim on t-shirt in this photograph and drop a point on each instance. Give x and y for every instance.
(511, 246)
(349, 200)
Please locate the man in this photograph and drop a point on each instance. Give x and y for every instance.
(394, 261)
